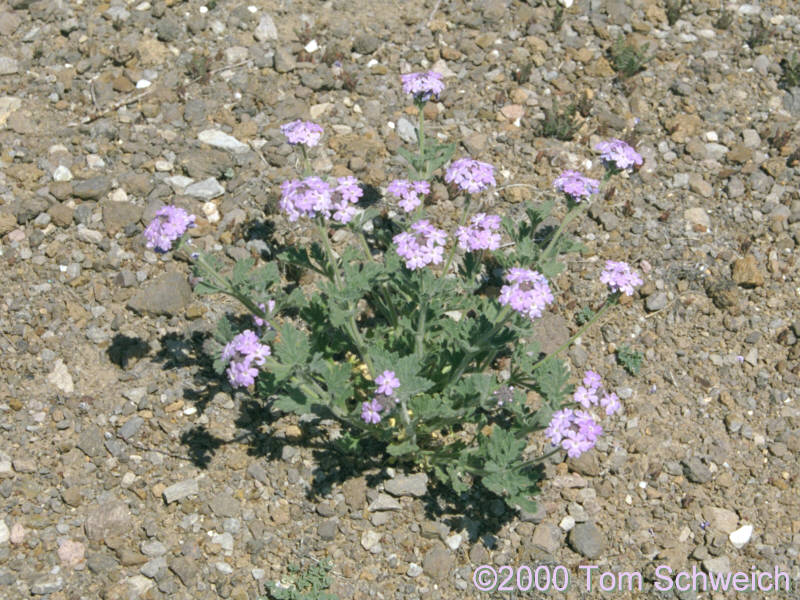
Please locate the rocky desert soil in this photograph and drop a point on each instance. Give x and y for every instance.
(129, 471)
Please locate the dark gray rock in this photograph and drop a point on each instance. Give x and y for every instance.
(587, 539)
(167, 295)
(92, 188)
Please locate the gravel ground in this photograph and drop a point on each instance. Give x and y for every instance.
(127, 471)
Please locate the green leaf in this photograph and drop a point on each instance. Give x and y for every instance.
(412, 159)
(503, 448)
(294, 401)
(551, 381)
(523, 503)
(403, 448)
(293, 348)
(337, 380)
(204, 289)
(241, 270)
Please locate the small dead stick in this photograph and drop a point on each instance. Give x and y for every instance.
(112, 108)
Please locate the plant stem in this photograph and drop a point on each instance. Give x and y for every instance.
(611, 300)
(567, 218)
(462, 366)
(421, 139)
(306, 162)
(410, 431)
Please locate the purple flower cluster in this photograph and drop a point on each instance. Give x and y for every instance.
(618, 154)
(267, 308)
(312, 196)
(469, 175)
(620, 277)
(408, 192)
(423, 85)
(527, 293)
(243, 351)
(589, 394)
(384, 397)
(574, 430)
(577, 186)
(170, 223)
(481, 234)
(302, 132)
(422, 247)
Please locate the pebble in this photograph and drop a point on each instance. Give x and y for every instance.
(587, 539)
(180, 490)
(205, 190)
(222, 140)
(5, 534)
(384, 502)
(656, 301)
(407, 485)
(8, 65)
(369, 539)
(169, 294)
(406, 131)
(741, 536)
(47, 585)
(266, 30)
(71, 553)
(60, 377)
(62, 173)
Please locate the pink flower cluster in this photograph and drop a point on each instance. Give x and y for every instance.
(243, 351)
(312, 196)
(170, 223)
(469, 175)
(528, 292)
(423, 85)
(384, 397)
(302, 132)
(620, 277)
(618, 154)
(577, 186)
(481, 234)
(422, 247)
(576, 431)
(408, 192)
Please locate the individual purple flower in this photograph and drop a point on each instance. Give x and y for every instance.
(586, 397)
(370, 411)
(242, 351)
(469, 175)
(302, 132)
(610, 402)
(408, 192)
(527, 293)
(481, 234)
(387, 382)
(619, 277)
(169, 224)
(267, 308)
(423, 245)
(423, 85)
(591, 380)
(346, 195)
(577, 186)
(618, 154)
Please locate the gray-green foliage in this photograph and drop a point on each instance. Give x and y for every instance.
(308, 584)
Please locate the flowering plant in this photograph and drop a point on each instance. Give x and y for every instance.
(408, 338)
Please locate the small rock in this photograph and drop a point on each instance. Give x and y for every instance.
(61, 378)
(406, 131)
(739, 537)
(414, 570)
(8, 65)
(119, 215)
(62, 173)
(266, 30)
(721, 519)
(71, 553)
(369, 539)
(8, 104)
(130, 428)
(224, 505)
(407, 485)
(720, 564)
(206, 189)
(656, 301)
(327, 529)
(284, 60)
(746, 272)
(220, 139)
(110, 519)
(365, 43)
(180, 490)
(587, 539)
(547, 537)
(8, 223)
(696, 471)
(17, 534)
(167, 295)
(697, 219)
(384, 502)
(5, 534)
(438, 563)
(153, 548)
(47, 585)
(92, 188)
